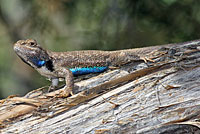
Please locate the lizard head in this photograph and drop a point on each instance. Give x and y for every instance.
(31, 53)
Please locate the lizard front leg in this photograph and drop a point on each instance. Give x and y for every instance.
(69, 80)
(54, 84)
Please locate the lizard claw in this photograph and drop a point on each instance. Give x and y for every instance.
(65, 92)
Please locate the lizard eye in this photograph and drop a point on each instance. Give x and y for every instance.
(33, 44)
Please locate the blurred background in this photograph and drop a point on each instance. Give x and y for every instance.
(66, 25)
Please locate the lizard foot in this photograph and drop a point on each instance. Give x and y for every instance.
(65, 92)
(51, 88)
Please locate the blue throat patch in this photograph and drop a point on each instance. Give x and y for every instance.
(41, 63)
(38, 63)
(87, 70)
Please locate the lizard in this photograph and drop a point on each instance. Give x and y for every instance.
(55, 65)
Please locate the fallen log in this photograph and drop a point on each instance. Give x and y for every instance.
(157, 95)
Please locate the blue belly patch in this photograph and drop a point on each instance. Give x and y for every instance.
(87, 70)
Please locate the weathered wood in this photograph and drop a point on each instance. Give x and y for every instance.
(158, 97)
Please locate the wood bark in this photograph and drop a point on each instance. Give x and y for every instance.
(155, 96)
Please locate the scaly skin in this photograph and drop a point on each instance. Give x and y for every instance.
(55, 65)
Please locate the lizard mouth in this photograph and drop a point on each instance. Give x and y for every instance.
(23, 50)
(18, 51)
(16, 48)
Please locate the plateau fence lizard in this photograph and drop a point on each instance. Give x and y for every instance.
(55, 65)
